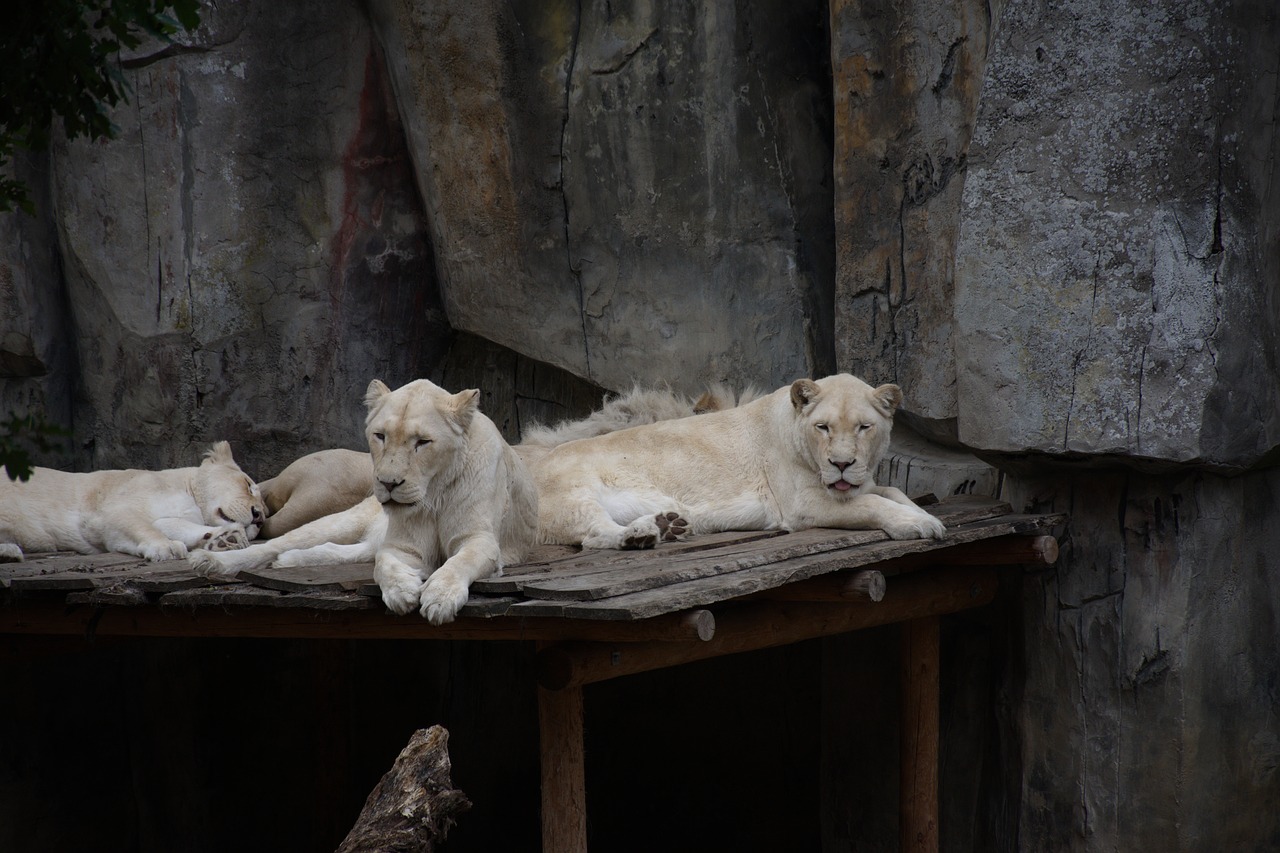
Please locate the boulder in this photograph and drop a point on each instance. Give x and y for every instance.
(1116, 264)
(249, 251)
(629, 191)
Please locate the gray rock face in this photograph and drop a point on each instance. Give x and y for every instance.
(906, 82)
(636, 197)
(1116, 267)
(1147, 718)
(250, 251)
(37, 353)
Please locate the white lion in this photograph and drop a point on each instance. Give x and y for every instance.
(459, 502)
(157, 515)
(451, 503)
(801, 457)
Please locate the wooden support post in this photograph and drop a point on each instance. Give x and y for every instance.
(564, 790)
(918, 827)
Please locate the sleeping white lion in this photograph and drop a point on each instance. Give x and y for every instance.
(801, 457)
(157, 515)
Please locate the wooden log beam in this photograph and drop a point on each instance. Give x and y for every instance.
(56, 618)
(764, 624)
(1014, 550)
(414, 805)
(918, 781)
(564, 790)
(864, 585)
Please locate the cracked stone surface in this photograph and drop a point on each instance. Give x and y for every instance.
(638, 198)
(249, 251)
(1116, 263)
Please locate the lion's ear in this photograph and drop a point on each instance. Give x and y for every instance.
(463, 406)
(803, 391)
(376, 391)
(219, 453)
(888, 398)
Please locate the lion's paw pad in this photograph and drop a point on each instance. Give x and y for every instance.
(639, 541)
(672, 527)
(227, 539)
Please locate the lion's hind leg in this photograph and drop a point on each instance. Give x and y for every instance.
(651, 517)
(10, 553)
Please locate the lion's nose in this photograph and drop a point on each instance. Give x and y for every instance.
(840, 466)
(390, 485)
(256, 513)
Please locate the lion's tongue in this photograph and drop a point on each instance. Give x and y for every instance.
(841, 485)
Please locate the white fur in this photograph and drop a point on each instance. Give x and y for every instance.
(314, 486)
(360, 529)
(459, 503)
(156, 515)
(800, 457)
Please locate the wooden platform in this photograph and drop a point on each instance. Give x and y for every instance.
(595, 615)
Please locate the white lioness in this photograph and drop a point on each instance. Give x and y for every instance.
(801, 457)
(451, 503)
(157, 515)
(353, 535)
(459, 502)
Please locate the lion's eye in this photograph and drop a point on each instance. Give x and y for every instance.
(863, 427)
(822, 427)
(379, 436)
(421, 443)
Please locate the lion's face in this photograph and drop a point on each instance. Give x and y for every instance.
(416, 434)
(225, 494)
(845, 425)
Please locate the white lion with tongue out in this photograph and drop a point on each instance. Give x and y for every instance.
(801, 457)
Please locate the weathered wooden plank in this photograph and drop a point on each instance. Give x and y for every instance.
(244, 595)
(652, 573)
(578, 578)
(104, 574)
(349, 577)
(121, 595)
(707, 590)
(581, 562)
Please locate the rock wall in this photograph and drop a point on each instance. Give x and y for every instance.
(1057, 226)
(637, 190)
(1116, 273)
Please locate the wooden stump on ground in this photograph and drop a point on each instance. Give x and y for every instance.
(414, 805)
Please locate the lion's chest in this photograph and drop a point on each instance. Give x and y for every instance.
(418, 531)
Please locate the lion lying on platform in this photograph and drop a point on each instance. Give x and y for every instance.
(801, 457)
(156, 515)
(451, 503)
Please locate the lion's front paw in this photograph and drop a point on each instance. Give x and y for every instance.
(401, 588)
(672, 526)
(10, 553)
(225, 539)
(170, 550)
(208, 565)
(916, 525)
(442, 597)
